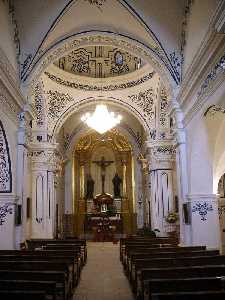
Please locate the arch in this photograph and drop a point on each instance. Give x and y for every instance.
(87, 38)
(90, 100)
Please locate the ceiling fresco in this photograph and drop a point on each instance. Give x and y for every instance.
(99, 62)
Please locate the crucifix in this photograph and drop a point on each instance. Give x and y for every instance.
(103, 164)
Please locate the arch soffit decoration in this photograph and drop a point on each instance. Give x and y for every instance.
(94, 38)
(90, 100)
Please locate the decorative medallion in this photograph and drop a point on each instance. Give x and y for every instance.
(202, 209)
(145, 101)
(99, 62)
(111, 87)
(5, 164)
(4, 210)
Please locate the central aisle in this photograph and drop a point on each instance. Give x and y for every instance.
(102, 278)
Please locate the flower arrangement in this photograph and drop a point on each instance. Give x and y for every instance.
(172, 217)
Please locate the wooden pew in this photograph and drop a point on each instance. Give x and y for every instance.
(57, 276)
(22, 295)
(49, 287)
(142, 249)
(55, 271)
(47, 258)
(202, 295)
(146, 240)
(175, 285)
(35, 243)
(175, 262)
(137, 260)
(176, 272)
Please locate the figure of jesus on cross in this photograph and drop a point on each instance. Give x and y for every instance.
(103, 164)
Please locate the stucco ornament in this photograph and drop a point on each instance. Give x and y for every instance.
(202, 209)
(4, 211)
(5, 164)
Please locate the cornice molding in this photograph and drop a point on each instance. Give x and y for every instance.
(210, 46)
(199, 103)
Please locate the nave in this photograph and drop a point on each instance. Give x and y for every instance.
(102, 277)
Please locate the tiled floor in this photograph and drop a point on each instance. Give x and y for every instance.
(102, 278)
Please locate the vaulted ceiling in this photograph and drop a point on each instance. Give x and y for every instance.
(44, 24)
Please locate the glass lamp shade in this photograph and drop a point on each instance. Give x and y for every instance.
(101, 120)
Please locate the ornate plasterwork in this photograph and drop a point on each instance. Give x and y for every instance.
(39, 104)
(111, 137)
(221, 211)
(164, 152)
(168, 149)
(163, 115)
(97, 3)
(47, 157)
(99, 62)
(187, 11)
(4, 211)
(217, 69)
(202, 209)
(145, 101)
(213, 109)
(56, 103)
(153, 54)
(111, 87)
(5, 163)
(8, 104)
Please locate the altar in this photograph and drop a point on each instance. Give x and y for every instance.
(103, 228)
(103, 187)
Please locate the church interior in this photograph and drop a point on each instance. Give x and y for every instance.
(112, 149)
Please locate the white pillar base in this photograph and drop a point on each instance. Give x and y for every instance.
(205, 220)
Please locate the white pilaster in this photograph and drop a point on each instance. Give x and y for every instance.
(204, 220)
(44, 164)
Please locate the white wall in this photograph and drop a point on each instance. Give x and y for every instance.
(199, 20)
(6, 34)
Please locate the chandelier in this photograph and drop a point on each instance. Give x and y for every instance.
(101, 119)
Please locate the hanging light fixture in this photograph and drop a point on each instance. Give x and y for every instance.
(101, 120)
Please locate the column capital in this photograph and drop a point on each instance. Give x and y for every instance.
(45, 156)
(161, 156)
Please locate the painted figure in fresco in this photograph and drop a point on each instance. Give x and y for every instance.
(116, 183)
(90, 187)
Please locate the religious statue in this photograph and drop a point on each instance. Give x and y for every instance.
(103, 164)
(116, 183)
(90, 187)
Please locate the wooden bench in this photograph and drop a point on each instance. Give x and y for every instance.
(202, 295)
(47, 258)
(175, 262)
(35, 243)
(22, 295)
(49, 287)
(176, 272)
(133, 249)
(30, 271)
(173, 285)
